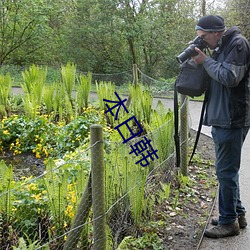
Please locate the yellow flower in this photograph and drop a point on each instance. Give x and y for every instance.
(69, 211)
(31, 187)
(73, 199)
(38, 156)
(37, 196)
(6, 132)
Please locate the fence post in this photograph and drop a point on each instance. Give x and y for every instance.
(80, 218)
(135, 82)
(135, 74)
(184, 135)
(98, 195)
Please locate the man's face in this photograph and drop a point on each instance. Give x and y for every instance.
(211, 38)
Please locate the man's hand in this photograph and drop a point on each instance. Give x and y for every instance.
(200, 58)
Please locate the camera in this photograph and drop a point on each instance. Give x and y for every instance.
(190, 51)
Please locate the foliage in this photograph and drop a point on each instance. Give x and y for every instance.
(142, 109)
(6, 184)
(147, 241)
(23, 28)
(106, 91)
(34, 81)
(5, 90)
(51, 200)
(162, 121)
(68, 74)
(83, 91)
(43, 137)
(106, 36)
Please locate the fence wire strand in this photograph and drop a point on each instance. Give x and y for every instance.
(127, 193)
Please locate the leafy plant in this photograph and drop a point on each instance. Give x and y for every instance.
(141, 102)
(48, 98)
(22, 245)
(6, 184)
(83, 91)
(161, 126)
(34, 81)
(147, 241)
(5, 90)
(68, 74)
(105, 90)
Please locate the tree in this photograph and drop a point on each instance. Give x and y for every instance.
(21, 21)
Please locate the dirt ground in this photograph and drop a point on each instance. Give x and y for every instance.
(187, 222)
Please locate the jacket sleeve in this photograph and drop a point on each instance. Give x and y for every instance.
(232, 69)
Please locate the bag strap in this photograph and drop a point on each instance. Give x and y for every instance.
(199, 127)
(176, 126)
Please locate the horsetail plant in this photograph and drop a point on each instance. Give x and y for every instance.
(105, 90)
(5, 89)
(141, 102)
(56, 184)
(68, 74)
(33, 85)
(83, 90)
(6, 184)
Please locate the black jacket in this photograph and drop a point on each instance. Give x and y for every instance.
(229, 90)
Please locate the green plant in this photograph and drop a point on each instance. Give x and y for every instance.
(161, 126)
(5, 90)
(30, 208)
(105, 90)
(68, 74)
(176, 199)
(141, 102)
(184, 181)
(164, 191)
(147, 241)
(34, 81)
(48, 98)
(83, 91)
(6, 184)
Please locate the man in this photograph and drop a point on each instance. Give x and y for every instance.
(228, 112)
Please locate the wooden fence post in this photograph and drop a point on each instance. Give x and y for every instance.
(80, 218)
(135, 74)
(98, 195)
(184, 135)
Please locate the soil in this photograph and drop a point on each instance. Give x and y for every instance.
(187, 222)
(25, 164)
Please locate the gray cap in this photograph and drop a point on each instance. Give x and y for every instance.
(210, 23)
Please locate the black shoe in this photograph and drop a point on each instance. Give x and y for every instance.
(241, 219)
(221, 231)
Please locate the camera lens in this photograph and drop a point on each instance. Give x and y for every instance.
(187, 53)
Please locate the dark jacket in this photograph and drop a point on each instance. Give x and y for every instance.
(229, 90)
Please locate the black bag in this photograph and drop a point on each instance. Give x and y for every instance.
(192, 80)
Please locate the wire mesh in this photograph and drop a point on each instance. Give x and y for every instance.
(43, 211)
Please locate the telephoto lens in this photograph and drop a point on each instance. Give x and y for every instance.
(190, 50)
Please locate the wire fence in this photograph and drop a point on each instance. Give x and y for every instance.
(57, 209)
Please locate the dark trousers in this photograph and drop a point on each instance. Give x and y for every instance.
(228, 145)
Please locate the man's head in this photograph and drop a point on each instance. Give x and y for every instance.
(211, 29)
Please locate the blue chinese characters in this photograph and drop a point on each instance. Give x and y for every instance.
(142, 147)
